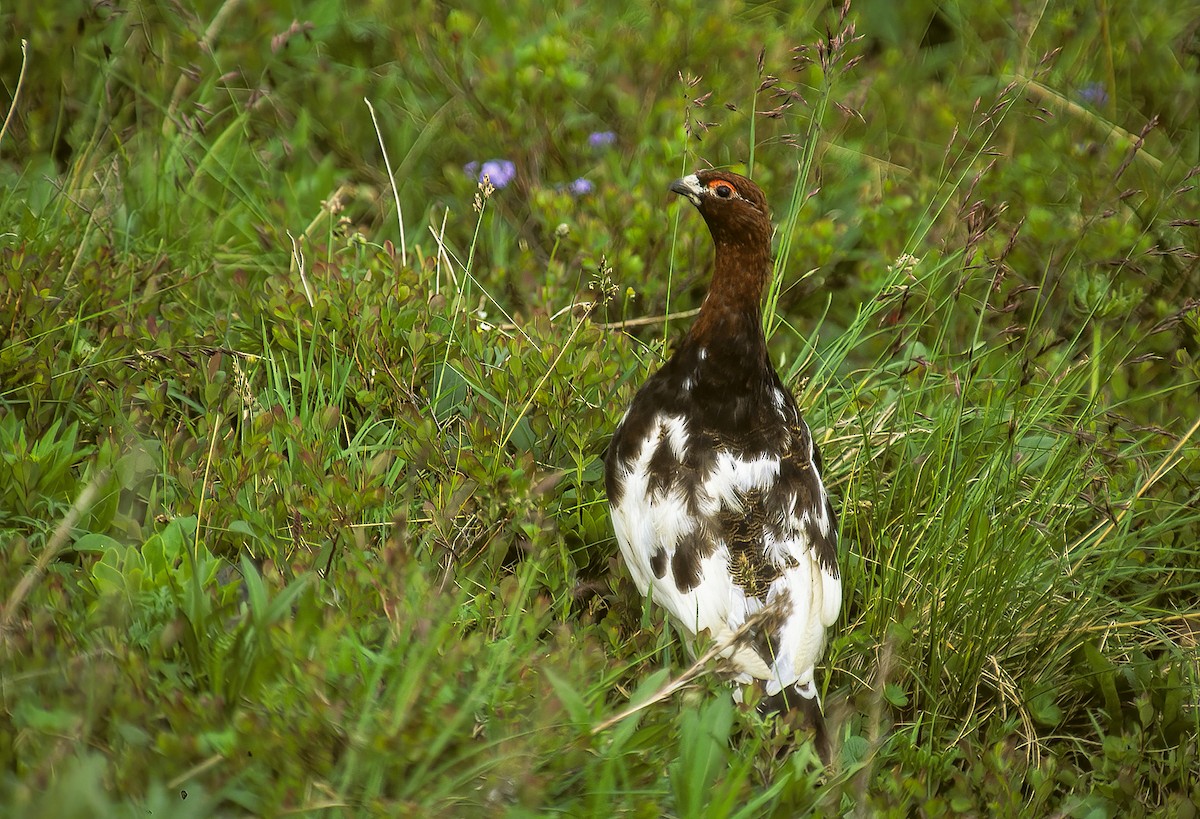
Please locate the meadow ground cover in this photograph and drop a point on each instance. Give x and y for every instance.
(314, 323)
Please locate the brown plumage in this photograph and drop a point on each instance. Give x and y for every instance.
(714, 480)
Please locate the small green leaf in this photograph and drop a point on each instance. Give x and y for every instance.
(1044, 709)
(1104, 674)
(241, 527)
(855, 749)
(570, 698)
(895, 695)
(107, 578)
(95, 542)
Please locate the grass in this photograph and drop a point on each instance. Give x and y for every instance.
(301, 502)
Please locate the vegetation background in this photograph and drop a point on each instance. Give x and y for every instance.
(301, 505)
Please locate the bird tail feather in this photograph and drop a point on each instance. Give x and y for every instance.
(788, 702)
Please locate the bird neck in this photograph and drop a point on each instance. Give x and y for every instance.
(732, 311)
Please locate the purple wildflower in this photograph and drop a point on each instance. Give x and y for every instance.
(581, 187)
(601, 139)
(1094, 93)
(497, 171)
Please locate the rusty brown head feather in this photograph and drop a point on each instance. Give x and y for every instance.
(736, 213)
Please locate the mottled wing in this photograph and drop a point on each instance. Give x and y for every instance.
(670, 551)
(800, 546)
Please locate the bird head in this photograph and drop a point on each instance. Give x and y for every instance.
(733, 207)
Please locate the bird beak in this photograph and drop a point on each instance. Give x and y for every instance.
(688, 186)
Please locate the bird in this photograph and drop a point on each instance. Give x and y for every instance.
(714, 480)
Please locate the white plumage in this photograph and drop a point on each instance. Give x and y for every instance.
(646, 521)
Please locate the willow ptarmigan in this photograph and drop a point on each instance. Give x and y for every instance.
(714, 480)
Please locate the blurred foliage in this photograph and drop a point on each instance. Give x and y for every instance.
(301, 505)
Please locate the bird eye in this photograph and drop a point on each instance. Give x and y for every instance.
(724, 191)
